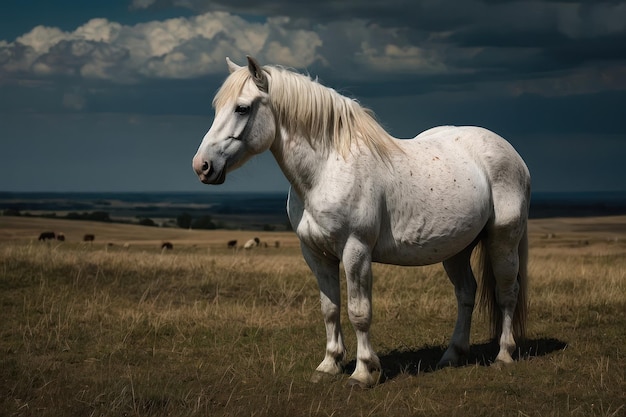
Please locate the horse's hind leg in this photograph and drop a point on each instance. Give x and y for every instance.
(460, 273)
(502, 243)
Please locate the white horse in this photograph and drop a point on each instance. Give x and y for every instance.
(360, 196)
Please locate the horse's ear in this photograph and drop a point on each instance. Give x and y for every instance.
(259, 77)
(232, 67)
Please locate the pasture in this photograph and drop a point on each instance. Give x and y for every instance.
(100, 329)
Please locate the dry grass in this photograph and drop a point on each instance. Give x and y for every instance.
(95, 330)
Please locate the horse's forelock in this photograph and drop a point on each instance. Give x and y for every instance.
(231, 89)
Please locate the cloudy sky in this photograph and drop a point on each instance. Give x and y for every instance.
(116, 95)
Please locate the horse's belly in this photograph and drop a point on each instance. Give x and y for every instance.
(423, 250)
(437, 205)
(432, 236)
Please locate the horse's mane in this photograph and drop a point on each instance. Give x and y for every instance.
(320, 114)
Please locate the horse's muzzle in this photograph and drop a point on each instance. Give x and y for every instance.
(207, 173)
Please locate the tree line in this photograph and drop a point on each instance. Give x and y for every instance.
(184, 220)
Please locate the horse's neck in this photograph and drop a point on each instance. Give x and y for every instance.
(299, 162)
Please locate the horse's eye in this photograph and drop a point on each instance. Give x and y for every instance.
(242, 110)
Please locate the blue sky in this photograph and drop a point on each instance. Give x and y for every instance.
(116, 95)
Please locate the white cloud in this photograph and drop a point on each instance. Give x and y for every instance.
(402, 58)
(188, 47)
(291, 47)
(99, 30)
(172, 48)
(42, 38)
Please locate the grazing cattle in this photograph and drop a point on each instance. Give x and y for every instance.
(47, 235)
(167, 246)
(277, 244)
(60, 237)
(89, 238)
(232, 243)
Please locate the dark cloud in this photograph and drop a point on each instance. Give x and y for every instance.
(445, 44)
(599, 49)
(469, 41)
(325, 10)
(544, 74)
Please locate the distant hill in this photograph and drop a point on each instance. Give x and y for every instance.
(260, 211)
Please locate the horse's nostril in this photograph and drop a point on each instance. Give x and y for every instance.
(205, 166)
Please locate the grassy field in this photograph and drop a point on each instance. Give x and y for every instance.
(107, 330)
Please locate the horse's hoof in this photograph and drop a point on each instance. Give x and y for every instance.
(323, 377)
(503, 360)
(355, 383)
(375, 378)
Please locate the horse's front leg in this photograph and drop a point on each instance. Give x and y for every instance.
(357, 261)
(326, 270)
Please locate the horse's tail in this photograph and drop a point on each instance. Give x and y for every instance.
(487, 298)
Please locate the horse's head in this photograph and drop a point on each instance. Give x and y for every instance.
(243, 126)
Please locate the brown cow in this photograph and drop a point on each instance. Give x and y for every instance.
(167, 246)
(89, 238)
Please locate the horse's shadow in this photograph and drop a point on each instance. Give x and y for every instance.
(425, 359)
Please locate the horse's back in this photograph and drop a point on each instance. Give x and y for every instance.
(495, 155)
(504, 169)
